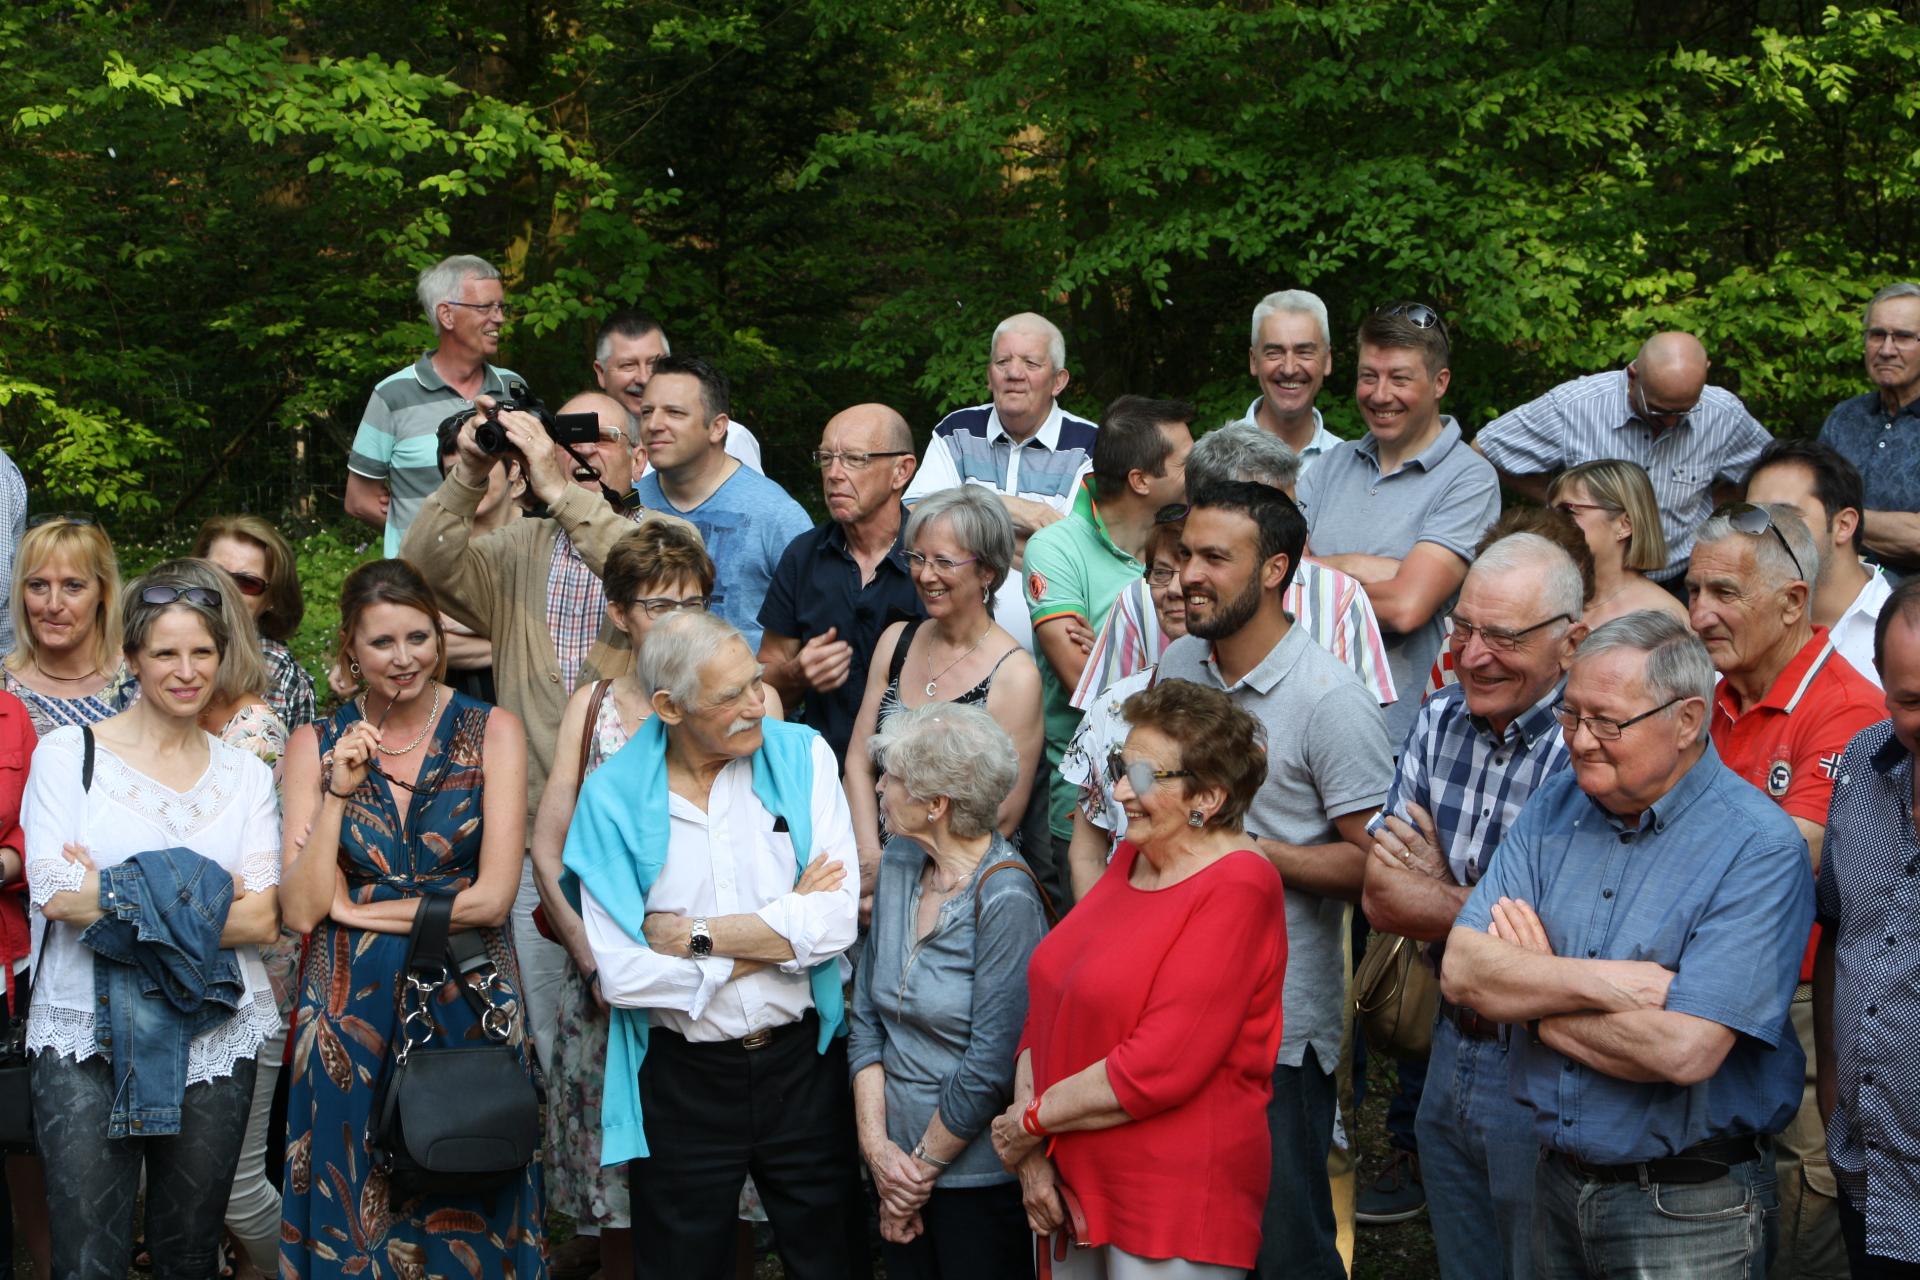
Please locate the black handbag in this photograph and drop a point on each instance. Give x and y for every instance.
(451, 1118)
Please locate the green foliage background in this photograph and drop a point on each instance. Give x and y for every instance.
(211, 213)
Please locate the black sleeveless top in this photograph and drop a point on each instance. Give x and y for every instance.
(890, 700)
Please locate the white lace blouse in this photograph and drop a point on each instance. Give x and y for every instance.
(229, 816)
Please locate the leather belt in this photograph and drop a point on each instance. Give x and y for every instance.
(1472, 1025)
(1702, 1162)
(808, 1023)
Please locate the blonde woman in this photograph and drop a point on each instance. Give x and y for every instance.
(1612, 502)
(66, 664)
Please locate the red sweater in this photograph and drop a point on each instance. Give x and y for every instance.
(17, 741)
(1179, 990)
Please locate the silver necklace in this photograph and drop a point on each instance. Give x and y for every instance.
(432, 715)
(957, 661)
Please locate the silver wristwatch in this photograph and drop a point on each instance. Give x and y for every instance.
(700, 942)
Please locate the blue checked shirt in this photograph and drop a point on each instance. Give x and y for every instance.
(1473, 782)
(1869, 900)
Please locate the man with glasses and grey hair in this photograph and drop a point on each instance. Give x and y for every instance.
(1786, 707)
(1619, 930)
(1478, 752)
(1290, 354)
(1696, 442)
(393, 465)
(843, 582)
(1879, 432)
(1021, 444)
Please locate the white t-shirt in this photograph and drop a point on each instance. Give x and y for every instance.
(229, 816)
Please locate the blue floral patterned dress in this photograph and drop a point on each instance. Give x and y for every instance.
(339, 1219)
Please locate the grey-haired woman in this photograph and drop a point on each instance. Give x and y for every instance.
(165, 800)
(940, 995)
(960, 549)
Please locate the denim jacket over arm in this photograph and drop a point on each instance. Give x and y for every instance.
(162, 978)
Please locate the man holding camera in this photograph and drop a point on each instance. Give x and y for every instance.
(533, 589)
(391, 468)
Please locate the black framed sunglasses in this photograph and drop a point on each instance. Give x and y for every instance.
(1746, 517)
(1140, 775)
(162, 593)
(62, 517)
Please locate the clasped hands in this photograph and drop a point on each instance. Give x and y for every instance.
(1020, 1152)
(1412, 846)
(903, 1184)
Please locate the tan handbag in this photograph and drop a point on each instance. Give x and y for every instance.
(1396, 995)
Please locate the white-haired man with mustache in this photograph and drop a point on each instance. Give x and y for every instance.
(715, 871)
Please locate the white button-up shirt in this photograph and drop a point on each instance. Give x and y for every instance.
(1852, 632)
(729, 860)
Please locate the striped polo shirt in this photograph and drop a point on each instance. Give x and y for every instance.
(398, 440)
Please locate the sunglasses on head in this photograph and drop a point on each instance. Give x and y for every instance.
(1745, 517)
(1417, 314)
(162, 593)
(61, 517)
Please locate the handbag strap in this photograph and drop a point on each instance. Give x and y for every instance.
(427, 944)
(86, 757)
(600, 688)
(980, 890)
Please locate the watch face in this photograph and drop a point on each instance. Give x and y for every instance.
(701, 941)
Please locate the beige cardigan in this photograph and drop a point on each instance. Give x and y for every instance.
(497, 585)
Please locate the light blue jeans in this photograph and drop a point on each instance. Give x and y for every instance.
(1714, 1230)
(1477, 1158)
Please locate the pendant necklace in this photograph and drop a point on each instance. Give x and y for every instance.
(957, 661)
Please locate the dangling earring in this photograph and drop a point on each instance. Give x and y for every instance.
(354, 668)
(1195, 818)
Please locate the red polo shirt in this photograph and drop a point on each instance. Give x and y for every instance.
(1789, 743)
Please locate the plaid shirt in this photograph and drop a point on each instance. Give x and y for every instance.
(576, 606)
(1473, 783)
(289, 687)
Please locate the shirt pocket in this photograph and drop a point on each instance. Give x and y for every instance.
(1687, 474)
(13, 784)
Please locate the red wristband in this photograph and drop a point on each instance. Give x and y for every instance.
(1030, 1119)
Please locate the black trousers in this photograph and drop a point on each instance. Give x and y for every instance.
(715, 1113)
(972, 1233)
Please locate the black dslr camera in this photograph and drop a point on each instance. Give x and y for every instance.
(563, 428)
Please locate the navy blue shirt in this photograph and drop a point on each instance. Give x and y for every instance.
(1713, 884)
(1869, 899)
(817, 585)
(1886, 448)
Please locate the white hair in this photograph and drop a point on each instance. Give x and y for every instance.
(675, 650)
(1677, 663)
(1029, 322)
(1898, 289)
(1537, 560)
(1769, 556)
(954, 750)
(1238, 451)
(446, 280)
(1295, 300)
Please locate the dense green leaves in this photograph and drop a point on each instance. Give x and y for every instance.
(212, 214)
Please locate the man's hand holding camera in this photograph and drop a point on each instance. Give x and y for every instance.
(546, 478)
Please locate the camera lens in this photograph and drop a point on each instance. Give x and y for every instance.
(489, 436)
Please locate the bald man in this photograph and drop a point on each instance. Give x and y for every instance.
(839, 585)
(1696, 442)
(533, 589)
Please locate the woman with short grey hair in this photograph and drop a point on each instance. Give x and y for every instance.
(940, 995)
(959, 550)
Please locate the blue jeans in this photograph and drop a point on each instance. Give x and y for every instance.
(1297, 1228)
(1688, 1231)
(1477, 1158)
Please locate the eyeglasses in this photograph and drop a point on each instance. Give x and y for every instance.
(1745, 517)
(1498, 639)
(1672, 416)
(250, 584)
(1140, 775)
(1172, 513)
(1568, 509)
(852, 460)
(1417, 314)
(500, 307)
(161, 593)
(941, 565)
(661, 606)
(1161, 575)
(62, 517)
(1899, 337)
(1601, 727)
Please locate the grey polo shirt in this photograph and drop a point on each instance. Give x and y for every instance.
(1327, 756)
(1446, 495)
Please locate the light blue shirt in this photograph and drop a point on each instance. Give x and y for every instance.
(1711, 884)
(746, 524)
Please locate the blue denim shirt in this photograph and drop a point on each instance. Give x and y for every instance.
(1712, 884)
(165, 979)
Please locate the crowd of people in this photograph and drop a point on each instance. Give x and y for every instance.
(978, 877)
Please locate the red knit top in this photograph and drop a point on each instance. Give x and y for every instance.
(1179, 990)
